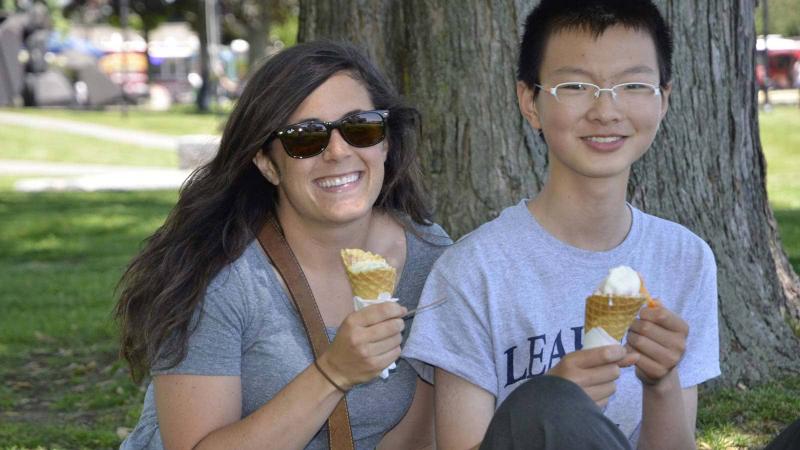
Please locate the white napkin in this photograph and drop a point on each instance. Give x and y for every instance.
(359, 303)
(597, 337)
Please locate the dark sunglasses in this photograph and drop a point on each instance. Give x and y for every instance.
(310, 138)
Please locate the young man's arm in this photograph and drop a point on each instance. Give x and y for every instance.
(668, 415)
(668, 411)
(463, 412)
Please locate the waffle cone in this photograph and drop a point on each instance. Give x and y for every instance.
(613, 313)
(368, 284)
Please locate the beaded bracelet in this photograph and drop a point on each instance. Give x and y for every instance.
(339, 388)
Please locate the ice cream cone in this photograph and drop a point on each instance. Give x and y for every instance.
(614, 313)
(369, 274)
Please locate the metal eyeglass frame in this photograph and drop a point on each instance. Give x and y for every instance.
(598, 90)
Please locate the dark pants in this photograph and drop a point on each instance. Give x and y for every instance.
(547, 413)
(789, 439)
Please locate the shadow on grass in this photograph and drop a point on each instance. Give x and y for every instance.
(63, 226)
(747, 418)
(789, 226)
(61, 255)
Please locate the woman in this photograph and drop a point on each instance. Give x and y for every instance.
(320, 140)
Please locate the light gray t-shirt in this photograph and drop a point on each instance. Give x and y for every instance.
(250, 328)
(516, 304)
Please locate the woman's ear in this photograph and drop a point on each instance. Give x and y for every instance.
(267, 167)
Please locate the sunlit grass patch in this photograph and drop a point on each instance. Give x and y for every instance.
(33, 144)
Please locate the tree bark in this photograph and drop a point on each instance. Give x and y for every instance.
(456, 61)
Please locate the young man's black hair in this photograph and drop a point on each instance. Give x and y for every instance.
(552, 16)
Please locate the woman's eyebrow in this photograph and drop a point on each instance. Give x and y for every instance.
(316, 119)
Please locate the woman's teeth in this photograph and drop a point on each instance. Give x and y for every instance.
(604, 140)
(337, 181)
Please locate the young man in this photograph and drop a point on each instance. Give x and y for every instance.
(594, 79)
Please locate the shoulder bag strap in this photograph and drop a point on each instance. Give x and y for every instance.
(272, 240)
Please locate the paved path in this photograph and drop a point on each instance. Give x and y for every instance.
(141, 138)
(53, 176)
(90, 177)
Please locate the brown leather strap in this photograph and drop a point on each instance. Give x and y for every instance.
(272, 240)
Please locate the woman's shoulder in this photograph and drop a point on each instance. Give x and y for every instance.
(430, 233)
(247, 272)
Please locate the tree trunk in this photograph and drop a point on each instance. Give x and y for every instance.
(203, 98)
(456, 61)
(258, 29)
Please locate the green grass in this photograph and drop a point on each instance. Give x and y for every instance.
(62, 386)
(60, 258)
(178, 121)
(22, 143)
(789, 225)
(780, 137)
(747, 418)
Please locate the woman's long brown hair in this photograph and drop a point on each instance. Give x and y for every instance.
(224, 203)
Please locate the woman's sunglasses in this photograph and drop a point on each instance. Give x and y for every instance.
(310, 138)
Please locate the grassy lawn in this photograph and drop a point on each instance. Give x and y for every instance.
(179, 121)
(780, 137)
(41, 145)
(60, 257)
(62, 253)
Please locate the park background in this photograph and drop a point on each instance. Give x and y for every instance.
(70, 218)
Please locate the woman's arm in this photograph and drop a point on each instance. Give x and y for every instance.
(415, 430)
(199, 412)
(204, 412)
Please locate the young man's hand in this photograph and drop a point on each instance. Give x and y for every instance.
(595, 370)
(659, 336)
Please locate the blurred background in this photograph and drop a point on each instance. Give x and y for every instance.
(144, 53)
(106, 106)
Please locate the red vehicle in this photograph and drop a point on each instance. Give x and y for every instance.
(783, 62)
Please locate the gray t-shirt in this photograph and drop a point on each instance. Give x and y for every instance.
(250, 328)
(516, 304)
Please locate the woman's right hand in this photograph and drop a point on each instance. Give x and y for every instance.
(367, 342)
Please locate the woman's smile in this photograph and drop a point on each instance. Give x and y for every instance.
(339, 183)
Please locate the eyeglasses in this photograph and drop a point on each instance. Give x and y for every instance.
(583, 95)
(310, 138)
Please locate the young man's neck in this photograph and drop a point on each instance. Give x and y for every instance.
(590, 214)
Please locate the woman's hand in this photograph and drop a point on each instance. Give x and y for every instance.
(659, 335)
(595, 370)
(367, 342)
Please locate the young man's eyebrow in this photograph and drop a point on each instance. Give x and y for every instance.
(569, 70)
(637, 69)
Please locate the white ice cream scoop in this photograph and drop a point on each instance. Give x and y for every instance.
(622, 281)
